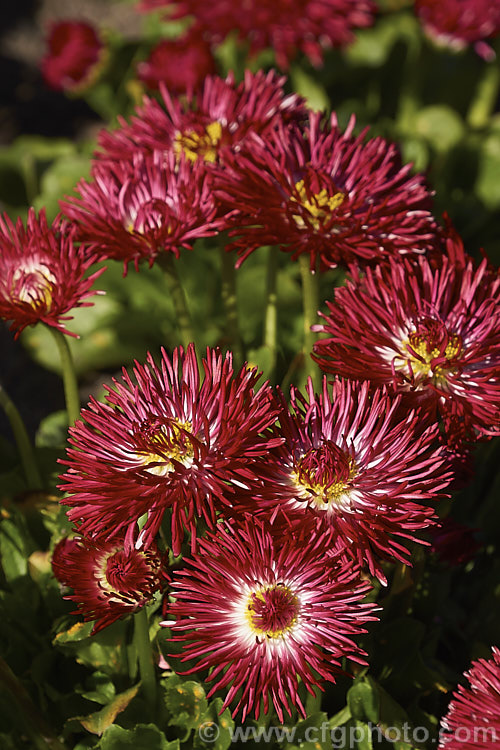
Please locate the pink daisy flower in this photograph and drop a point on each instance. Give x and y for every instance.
(134, 211)
(265, 612)
(431, 334)
(166, 440)
(108, 580)
(42, 273)
(460, 23)
(473, 718)
(74, 57)
(287, 28)
(333, 195)
(356, 462)
(221, 115)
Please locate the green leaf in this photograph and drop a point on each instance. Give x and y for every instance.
(15, 548)
(186, 702)
(53, 430)
(310, 88)
(364, 701)
(98, 722)
(215, 729)
(142, 737)
(441, 126)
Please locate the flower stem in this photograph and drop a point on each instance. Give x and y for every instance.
(271, 315)
(483, 103)
(229, 299)
(145, 655)
(310, 303)
(168, 264)
(69, 376)
(22, 440)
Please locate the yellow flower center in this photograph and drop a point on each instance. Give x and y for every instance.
(165, 443)
(199, 145)
(272, 611)
(33, 283)
(323, 475)
(319, 206)
(432, 356)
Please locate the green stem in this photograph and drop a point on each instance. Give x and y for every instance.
(483, 103)
(310, 296)
(271, 315)
(22, 440)
(33, 723)
(168, 263)
(145, 656)
(69, 376)
(230, 299)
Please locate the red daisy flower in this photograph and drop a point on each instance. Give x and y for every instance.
(42, 273)
(134, 211)
(180, 64)
(305, 25)
(355, 461)
(460, 23)
(165, 440)
(221, 115)
(74, 57)
(264, 612)
(432, 334)
(473, 718)
(109, 581)
(330, 194)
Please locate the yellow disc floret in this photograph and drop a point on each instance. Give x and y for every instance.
(199, 145)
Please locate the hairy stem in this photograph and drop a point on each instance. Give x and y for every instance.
(22, 440)
(145, 655)
(182, 314)
(271, 314)
(229, 299)
(310, 304)
(69, 376)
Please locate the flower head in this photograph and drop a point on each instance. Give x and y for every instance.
(430, 333)
(42, 272)
(263, 612)
(460, 23)
(472, 721)
(74, 57)
(108, 580)
(164, 440)
(356, 462)
(327, 193)
(285, 27)
(134, 211)
(180, 64)
(203, 127)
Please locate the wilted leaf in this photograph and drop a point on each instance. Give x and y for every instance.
(99, 721)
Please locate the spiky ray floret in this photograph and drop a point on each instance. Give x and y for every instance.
(357, 462)
(165, 438)
(265, 612)
(472, 721)
(429, 332)
(43, 272)
(330, 194)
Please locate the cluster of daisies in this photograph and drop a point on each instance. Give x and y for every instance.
(284, 509)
